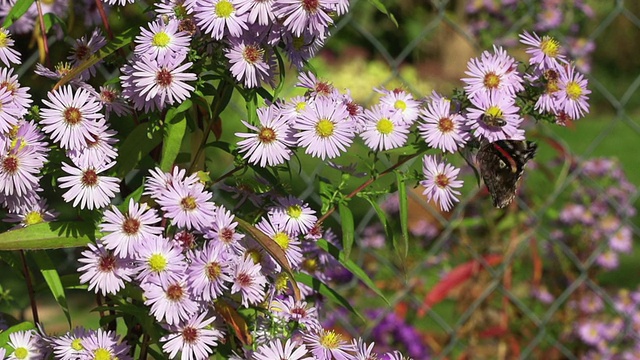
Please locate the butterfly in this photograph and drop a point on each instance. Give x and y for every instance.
(501, 165)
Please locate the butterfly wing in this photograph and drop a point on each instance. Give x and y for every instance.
(501, 165)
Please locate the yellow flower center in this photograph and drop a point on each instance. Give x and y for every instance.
(310, 265)
(294, 211)
(3, 38)
(282, 240)
(102, 354)
(550, 46)
(324, 128)
(33, 217)
(224, 9)
(384, 126)
(574, 90)
(442, 181)
(445, 125)
(281, 282)
(157, 262)
(330, 340)
(161, 39)
(76, 344)
(300, 106)
(255, 256)
(491, 80)
(494, 111)
(400, 105)
(21, 353)
(188, 203)
(266, 135)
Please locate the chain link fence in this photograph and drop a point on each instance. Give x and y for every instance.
(526, 283)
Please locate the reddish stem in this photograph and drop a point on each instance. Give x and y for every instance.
(45, 42)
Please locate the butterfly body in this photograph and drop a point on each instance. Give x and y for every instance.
(501, 165)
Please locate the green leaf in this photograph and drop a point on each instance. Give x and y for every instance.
(115, 44)
(136, 146)
(53, 235)
(384, 10)
(327, 292)
(52, 278)
(17, 10)
(402, 246)
(23, 326)
(50, 19)
(386, 225)
(273, 249)
(351, 266)
(174, 133)
(348, 229)
(175, 111)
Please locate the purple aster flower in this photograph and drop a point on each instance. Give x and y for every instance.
(187, 206)
(119, 2)
(160, 182)
(589, 332)
(32, 213)
(162, 40)
(545, 52)
(441, 129)
(363, 351)
(275, 230)
(209, 271)
(19, 169)
(621, 240)
(608, 260)
(194, 338)
(493, 73)
(383, 128)
(315, 86)
(99, 150)
(299, 311)
(87, 187)
(549, 18)
(591, 304)
(71, 117)
(251, 62)
(8, 55)
(494, 106)
(572, 93)
(305, 15)
(220, 17)
(25, 345)
(249, 281)
(175, 9)
(301, 48)
(440, 182)
(171, 301)
(402, 102)
(547, 100)
(69, 346)
(9, 111)
(104, 345)
(158, 260)
(624, 303)
(294, 214)
(324, 128)
(276, 350)
(293, 107)
(543, 295)
(223, 228)
(84, 48)
(19, 95)
(328, 345)
(126, 231)
(113, 101)
(257, 10)
(103, 271)
(271, 141)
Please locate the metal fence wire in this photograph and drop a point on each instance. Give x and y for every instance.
(500, 309)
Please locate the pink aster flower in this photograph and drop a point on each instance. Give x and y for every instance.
(126, 230)
(113, 101)
(194, 338)
(301, 48)
(316, 87)
(162, 40)
(20, 95)
(294, 214)
(19, 169)
(103, 344)
(209, 271)
(271, 141)
(71, 117)
(328, 345)
(572, 93)
(160, 182)
(289, 244)
(9, 112)
(99, 149)
(158, 260)
(299, 311)
(383, 128)
(223, 229)
(25, 345)
(119, 2)
(589, 331)
(104, 272)
(220, 17)
(440, 182)
(8, 55)
(250, 62)
(325, 129)
(171, 301)
(300, 15)
(496, 106)
(545, 52)
(363, 351)
(260, 11)
(402, 102)
(69, 346)
(622, 240)
(187, 206)
(609, 260)
(276, 350)
(31, 213)
(85, 48)
(441, 129)
(493, 73)
(87, 187)
(249, 281)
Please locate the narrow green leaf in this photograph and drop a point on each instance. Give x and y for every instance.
(52, 278)
(51, 19)
(380, 6)
(53, 235)
(386, 225)
(403, 244)
(327, 292)
(351, 266)
(17, 10)
(174, 133)
(23, 326)
(273, 249)
(136, 146)
(348, 230)
(120, 41)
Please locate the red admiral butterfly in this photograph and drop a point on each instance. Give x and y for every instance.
(501, 166)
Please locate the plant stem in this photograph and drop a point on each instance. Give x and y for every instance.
(45, 42)
(367, 183)
(27, 278)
